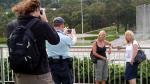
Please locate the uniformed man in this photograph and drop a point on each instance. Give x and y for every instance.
(59, 60)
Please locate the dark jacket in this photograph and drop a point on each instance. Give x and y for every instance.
(42, 31)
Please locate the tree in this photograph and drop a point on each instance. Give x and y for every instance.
(5, 18)
(96, 13)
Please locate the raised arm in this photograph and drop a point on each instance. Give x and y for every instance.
(50, 34)
(110, 46)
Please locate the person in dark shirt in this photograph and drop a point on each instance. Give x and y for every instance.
(99, 51)
(27, 10)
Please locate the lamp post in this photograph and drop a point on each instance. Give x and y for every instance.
(82, 15)
(82, 31)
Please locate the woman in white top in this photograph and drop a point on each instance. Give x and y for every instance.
(131, 52)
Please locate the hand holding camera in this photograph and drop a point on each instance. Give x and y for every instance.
(69, 31)
(43, 14)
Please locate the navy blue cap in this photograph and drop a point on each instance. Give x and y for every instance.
(58, 20)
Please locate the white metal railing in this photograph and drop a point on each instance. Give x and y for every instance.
(83, 68)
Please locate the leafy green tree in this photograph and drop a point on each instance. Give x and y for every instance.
(96, 13)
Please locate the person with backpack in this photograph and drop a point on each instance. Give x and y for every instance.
(26, 43)
(99, 51)
(59, 60)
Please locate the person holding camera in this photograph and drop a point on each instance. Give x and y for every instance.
(59, 60)
(28, 11)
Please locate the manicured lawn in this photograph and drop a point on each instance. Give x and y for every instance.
(110, 30)
(111, 33)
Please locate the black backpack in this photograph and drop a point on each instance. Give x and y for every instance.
(23, 50)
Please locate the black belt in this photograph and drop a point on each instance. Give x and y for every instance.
(59, 57)
(60, 60)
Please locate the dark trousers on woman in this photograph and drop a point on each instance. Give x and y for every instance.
(131, 71)
(61, 70)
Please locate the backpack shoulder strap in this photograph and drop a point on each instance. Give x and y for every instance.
(29, 26)
(31, 23)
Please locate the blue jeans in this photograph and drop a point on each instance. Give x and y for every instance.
(61, 71)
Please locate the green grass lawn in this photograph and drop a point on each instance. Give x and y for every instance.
(108, 37)
(111, 31)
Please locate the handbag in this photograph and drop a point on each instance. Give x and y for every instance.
(93, 57)
(141, 56)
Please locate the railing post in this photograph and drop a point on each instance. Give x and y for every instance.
(124, 70)
(83, 70)
(88, 71)
(2, 66)
(114, 70)
(141, 74)
(78, 70)
(93, 74)
(109, 81)
(74, 70)
(119, 69)
(146, 73)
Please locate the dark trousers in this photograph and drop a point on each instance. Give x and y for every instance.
(131, 71)
(61, 71)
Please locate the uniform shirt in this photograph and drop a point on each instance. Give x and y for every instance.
(129, 51)
(62, 48)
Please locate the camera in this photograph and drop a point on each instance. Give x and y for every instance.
(42, 11)
(69, 31)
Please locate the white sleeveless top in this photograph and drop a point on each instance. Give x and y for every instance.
(129, 51)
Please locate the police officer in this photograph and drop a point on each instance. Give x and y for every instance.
(59, 60)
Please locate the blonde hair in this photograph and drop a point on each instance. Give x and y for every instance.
(102, 32)
(129, 32)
